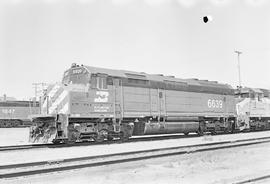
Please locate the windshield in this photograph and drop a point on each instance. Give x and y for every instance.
(78, 75)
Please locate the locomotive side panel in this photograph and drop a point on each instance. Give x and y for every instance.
(149, 102)
(191, 103)
(180, 103)
(136, 101)
(259, 108)
(94, 103)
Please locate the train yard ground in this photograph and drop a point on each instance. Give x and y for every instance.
(14, 136)
(230, 165)
(55, 153)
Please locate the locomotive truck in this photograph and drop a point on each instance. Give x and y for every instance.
(103, 104)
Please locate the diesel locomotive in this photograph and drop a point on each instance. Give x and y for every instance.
(253, 108)
(103, 104)
(16, 113)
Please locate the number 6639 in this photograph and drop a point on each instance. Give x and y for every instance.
(214, 103)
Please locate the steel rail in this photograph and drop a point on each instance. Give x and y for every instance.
(26, 169)
(51, 145)
(253, 179)
(117, 141)
(21, 147)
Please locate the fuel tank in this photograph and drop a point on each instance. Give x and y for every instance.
(148, 128)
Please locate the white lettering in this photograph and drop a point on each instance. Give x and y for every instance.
(215, 103)
(101, 108)
(8, 111)
(77, 71)
(102, 96)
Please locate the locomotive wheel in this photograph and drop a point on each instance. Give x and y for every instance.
(123, 137)
(226, 130)
(56, 141)
(101, 135)
(110, 137)
(70, 142)
(186, 133)
(200, 132)
(99, 139)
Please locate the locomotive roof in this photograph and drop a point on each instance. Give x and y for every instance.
(18, 103)
(154, 77)
(248, 90)
(266, 92)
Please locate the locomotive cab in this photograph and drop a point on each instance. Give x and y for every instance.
(87, 106)
(76, 75)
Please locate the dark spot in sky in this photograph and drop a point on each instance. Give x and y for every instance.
(205, 19)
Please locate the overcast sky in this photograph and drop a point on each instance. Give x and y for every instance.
(39, 39)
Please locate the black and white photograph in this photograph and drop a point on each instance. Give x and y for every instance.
(134, 91)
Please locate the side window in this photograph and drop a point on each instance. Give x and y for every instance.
(99, 82)
(260, 96)
(109, 81)
(94, 83)
(103, 83)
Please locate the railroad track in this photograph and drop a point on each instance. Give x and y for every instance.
(49, 166)
(252, 180)
(50, 145)
(136, 139)
(21, 147)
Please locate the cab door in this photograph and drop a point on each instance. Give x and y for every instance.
(161, 103)
(118, 102)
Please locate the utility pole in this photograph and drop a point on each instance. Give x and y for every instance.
(39, 92)
(238, 59)
(39, 87)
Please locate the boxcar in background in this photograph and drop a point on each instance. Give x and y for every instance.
(16, 113)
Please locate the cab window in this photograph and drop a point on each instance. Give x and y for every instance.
(260, 97)
(252, 96)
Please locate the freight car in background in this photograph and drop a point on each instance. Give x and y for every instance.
(16, 113)
(96, 104)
